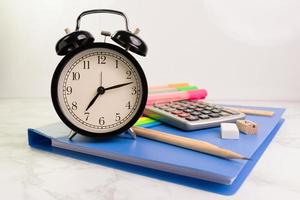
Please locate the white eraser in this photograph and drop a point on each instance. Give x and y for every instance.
(229, 131)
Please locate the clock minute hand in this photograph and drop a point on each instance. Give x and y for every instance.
(117, 86)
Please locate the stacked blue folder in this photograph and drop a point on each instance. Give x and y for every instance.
(164, 161)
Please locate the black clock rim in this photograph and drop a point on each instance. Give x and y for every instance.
(54, 92)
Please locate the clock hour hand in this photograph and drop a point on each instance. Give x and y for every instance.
(92, 102)
(117, 86)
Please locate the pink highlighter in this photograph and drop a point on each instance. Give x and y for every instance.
(176, 96)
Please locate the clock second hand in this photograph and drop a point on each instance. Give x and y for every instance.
(100, 79)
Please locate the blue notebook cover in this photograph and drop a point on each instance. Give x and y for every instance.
(166, 161)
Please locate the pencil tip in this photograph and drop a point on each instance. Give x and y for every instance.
(245, 158)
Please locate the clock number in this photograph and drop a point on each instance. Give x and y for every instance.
(118, 117)
(133, 90)
(128, 74)
(86, 64)
(87, 115)
(128, 105)
(117, 64)
(101, 59)
(69, 90)
(101, 121)
(74, 105)
(76, 76)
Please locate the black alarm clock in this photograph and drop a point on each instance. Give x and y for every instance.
(99, 89)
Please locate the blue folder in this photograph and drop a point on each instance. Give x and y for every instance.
(164, 161)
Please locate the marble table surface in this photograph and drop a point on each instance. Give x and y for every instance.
(27, 173)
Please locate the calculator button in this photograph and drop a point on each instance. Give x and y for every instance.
(208, 108)
(177, 106)
(194, 104)
(224, 114)
(203, 116)
(184, 101)
(176, 103)
(206, 111)
(163, 107)
(176, 112)
(180, 104)
(195, 113)
(214, 115)
(191, 107)
(184, 104)
(183, 114)
(173, 106)
(201, 106)
(216, 110)
(192, 118)
(188, 110)
(170, 109)
(181, 108)
(198, 109)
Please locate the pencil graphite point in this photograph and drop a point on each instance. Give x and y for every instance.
(245, 158)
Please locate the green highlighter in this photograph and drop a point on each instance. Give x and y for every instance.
(180, 88)
(143, 121)
(187, 88)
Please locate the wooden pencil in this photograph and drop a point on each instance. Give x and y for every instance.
(188, 143)
(253, 111)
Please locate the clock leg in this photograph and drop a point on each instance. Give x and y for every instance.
(131, 133)
(72, 134)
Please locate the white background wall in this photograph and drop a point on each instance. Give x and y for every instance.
(236, 49)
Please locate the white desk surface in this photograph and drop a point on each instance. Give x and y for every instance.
(27, 173)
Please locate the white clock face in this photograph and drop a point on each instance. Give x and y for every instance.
(99, 90)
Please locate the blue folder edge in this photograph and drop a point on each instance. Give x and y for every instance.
(39, 141)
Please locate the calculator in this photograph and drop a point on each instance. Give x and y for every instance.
(192, 114)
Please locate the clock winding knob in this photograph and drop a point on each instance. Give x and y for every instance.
(136, 31)
(105, 34)
(67, 30)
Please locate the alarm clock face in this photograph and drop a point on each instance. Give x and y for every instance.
(99, 90)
